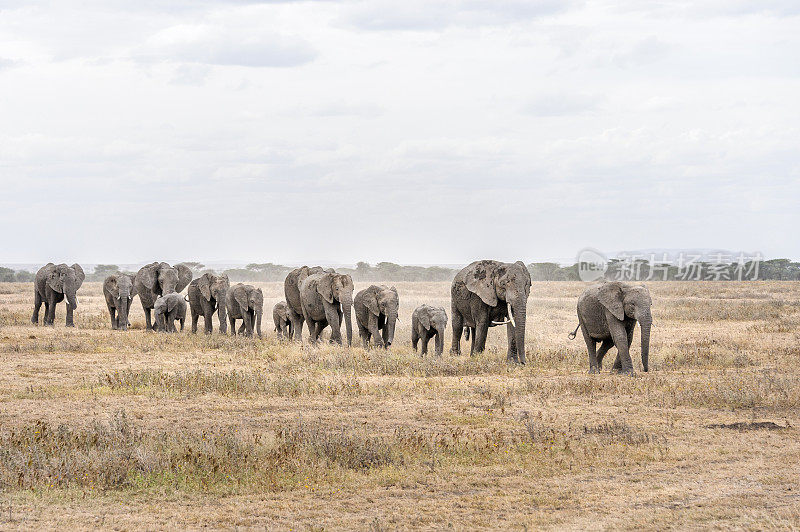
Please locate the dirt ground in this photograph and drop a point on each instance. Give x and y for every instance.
(140, 430)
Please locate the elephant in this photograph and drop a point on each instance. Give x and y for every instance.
(488, 293)
(607, 313)
(326, 297)
(119, 291)
(376, 310)
(159, 278)
(427, 322)
(52, 285)
(280, 315)
(245, 303)
(291, 288)
(207, 295)
(167, 309)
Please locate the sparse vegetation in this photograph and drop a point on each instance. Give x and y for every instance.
(131, 429)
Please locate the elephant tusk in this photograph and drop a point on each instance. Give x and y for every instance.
(502, 322)
(511, 315)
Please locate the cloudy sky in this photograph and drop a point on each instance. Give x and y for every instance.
(414, 131)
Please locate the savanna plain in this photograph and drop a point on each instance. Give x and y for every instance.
(131, 430)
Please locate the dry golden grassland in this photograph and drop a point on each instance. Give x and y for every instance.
(144, 430)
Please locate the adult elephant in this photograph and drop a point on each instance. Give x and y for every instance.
(326, 297)
(52, 285)
(607, 313)
(376, 310)
(156, 279)
(246, 303)
(291, 289)
(487, 293)
(118, 291)
(206, 296)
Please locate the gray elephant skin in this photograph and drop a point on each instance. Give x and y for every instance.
(207, 295)
(168, 309)
(156, 279)
(52, 285)
(607, 313)
(428, 322)
(291, 289)
(376, 314)
(280, 316)
(325, 298)
(246, 303)
(119, 291)
(488, 293)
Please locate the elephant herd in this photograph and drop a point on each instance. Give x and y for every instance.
(484, 294)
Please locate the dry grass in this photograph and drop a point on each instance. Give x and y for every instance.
(143, 430)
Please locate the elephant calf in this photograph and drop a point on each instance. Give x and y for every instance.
(246, 303)
(283, 323)
(607, 313)
(376, 311)
(427, 322)
(118, 290)
(207, 295)
(167, 309)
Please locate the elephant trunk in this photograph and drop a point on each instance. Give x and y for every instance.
(645, 323)
(258, 315)
(391, 320)
(347, 306)
(439, 342)
(519, 309)
(222, 314)
(122, 312)
(70, 293)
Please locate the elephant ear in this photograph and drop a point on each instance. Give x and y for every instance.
(184, 277)
(79, 275)
(223, 278)
(172, 302)
(524, 271)
(133, 284)
(148, 276)
(55, 281)
(425, 320)
(480, 281)
(204, 284)
(610, 297)
(302, 274)
(240, 295)
(325, 287)
(371, 302)
(112, 286)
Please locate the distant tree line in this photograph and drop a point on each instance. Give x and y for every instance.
(774, 269)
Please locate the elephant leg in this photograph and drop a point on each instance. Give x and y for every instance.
(511, 354)
(148, 322)
(607, 344)
(297, 325)
(247, 318)
(425, 339)
(363, 332)
(208, 322)
(458, 326)
(620, 337)
(374, 332)
(50, 313)
(414, 338)
(112, 311)
(37, 304)
(591, 347)
(629, 327)
(232, 322)
(182, 320)
(333, 319)
(70, 310)
(481, 332)
(385, 336)
(195, 317)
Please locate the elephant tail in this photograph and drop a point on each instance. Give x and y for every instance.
(574, 333)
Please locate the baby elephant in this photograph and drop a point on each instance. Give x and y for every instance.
(118, 290)
(607, 313)
(427, 322)
(376, 314)
(245, 303)
(167, 309)
(280, 315)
